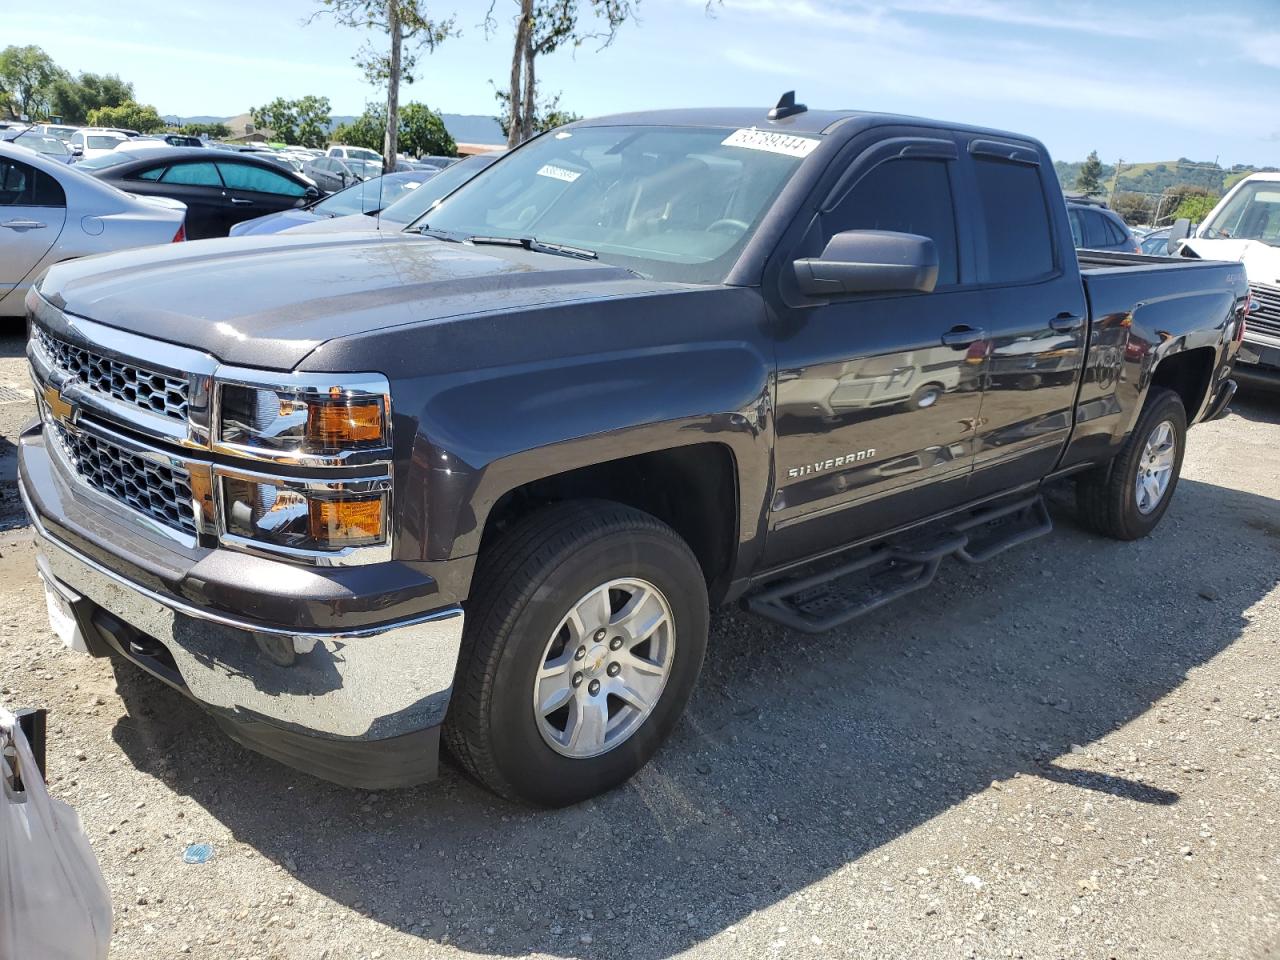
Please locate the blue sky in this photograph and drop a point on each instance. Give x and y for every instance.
(1138, 79)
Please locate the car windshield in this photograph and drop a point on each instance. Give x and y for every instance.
(410, 208)
(1252, 213)
(365, 168)
(362, 153)
(369, 196)
(671, 203)
(103, 143)
(42, 144)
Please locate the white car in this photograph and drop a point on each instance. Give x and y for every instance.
(95, 141)
(1245, 227)
(50, 212)
(343, 152)
(63, 133)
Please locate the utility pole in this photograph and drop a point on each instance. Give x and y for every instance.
(1115, 180)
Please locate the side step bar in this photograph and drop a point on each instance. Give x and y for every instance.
(833, 597)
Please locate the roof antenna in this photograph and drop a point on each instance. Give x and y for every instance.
(787, 107)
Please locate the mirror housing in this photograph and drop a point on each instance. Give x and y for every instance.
(77, 150)
(870, 261)
(1179, 232)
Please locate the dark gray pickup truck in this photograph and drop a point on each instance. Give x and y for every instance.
(485, 479)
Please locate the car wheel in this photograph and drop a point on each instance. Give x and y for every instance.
(925, 395)
(583, 642)
(1128, 499)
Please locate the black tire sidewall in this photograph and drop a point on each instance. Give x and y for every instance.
(1168, 407)
(534, 770)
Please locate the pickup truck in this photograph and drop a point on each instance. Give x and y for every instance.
(1245, 227)
(482, 482)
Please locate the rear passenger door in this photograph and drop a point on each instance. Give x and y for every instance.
(33, 211)
(197, 184)
(1034, 313)
(878, 395)
(255, 190)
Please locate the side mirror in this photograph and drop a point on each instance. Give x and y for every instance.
(312, 193)
(1179, 232)
(77, 150)
(870, 261)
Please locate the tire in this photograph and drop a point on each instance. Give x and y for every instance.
(925, 395)
(524, 590)
(1109, 500)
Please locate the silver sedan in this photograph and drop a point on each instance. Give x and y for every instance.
(51, 212)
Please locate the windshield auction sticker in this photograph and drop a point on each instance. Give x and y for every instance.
(770, 142)
(558, 173)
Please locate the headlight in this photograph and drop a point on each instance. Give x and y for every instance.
(314, 419)
(306, 518)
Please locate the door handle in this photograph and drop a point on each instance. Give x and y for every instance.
(23, 224)
(242, 202)
(962, 336)
(1066, 323)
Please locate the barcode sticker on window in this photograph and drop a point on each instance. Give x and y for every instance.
(770, 142)
(558, 173)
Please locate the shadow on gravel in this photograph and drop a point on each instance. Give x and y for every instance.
(799, 756)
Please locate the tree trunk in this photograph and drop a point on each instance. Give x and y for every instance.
(530, 91)
(391, 143)
(515, 121)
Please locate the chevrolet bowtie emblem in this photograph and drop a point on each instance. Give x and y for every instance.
(60, 409)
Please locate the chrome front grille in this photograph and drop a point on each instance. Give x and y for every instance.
(127, 382)
(1267, 318)
(159, 491)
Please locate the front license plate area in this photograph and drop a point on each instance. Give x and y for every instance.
(62, 620)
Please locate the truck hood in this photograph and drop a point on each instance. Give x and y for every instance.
(1261, 260)
(269, 301)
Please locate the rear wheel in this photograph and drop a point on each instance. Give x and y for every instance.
(583, 643)
(1128, 499)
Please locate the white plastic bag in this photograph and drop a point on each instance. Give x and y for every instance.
(54, 904)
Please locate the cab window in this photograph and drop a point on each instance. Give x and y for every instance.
(242, 176)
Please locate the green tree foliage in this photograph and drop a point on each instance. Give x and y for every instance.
(408, 29)
(1089, 179)
(129, 116)
(1195, 207)
(1134, 207)
(547, 114)
(304, 121)
(216, 131)
(72, 99)
(421, 131)
(26, 76)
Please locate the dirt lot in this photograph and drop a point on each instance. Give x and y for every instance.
(1068, 753)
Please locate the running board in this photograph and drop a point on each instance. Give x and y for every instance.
(833, 597)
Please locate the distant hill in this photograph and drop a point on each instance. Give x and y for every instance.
(1155, 177)
(463, 127)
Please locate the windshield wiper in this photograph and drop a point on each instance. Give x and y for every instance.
(538, 246)
(448, 235)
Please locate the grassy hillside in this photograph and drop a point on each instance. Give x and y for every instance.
(1155, 177)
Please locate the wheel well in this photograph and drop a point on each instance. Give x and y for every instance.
(692, 489)
(1187, 374)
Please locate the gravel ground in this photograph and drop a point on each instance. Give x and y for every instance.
(1070, 752)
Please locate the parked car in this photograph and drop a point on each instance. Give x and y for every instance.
(438, 163)
(56, 130)
(363, 199)
(220, 189)
(333, 174)
(1245, 227)
(1094, 227)
(172, 139)
(50, 212)
(40, 143)
(1155, 243)
(409, 208)
(583, 348)
(90, 142)
(341, 151)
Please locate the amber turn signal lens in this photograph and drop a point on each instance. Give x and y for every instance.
(346, 522)
(342, 424)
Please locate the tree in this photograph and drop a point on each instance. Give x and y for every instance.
(71, 100)
(304, 121)
(1195, 207)
(547, 114)
(279, 117)
(1134, 207)
(404, 22)
(128, 116)
(421, 131)
(542, 27)
(215, 131)
(1089, 180)
(26, 76)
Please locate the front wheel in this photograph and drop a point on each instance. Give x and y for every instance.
(1127, 500)
(583, 643)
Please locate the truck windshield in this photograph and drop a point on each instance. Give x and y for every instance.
(671, 203)
(1252, 213)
